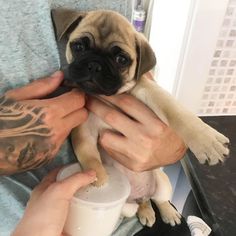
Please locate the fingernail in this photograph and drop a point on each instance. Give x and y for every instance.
(56, 74)
(91, 173)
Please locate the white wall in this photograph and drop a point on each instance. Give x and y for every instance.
(170, 19)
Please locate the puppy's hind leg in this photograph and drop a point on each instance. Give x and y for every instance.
(143, 210)
(146, 214)
(162, 197)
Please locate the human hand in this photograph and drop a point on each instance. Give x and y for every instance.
(144, 142)
(47, 209)
(33, 129)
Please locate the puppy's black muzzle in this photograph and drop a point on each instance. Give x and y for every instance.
(95, 73)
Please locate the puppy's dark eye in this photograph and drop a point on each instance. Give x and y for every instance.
(115, 50)
(81, 44)
(122, 60)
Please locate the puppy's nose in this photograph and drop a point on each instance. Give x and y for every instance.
(94, 66)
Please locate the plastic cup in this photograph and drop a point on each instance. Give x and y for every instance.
(96, 210)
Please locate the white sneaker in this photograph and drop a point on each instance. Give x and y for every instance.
(197, 226)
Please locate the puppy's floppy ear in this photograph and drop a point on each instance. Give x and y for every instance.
(146, 59)
(65, 20)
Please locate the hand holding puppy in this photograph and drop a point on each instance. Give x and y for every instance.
(144, 142)
(33, 129)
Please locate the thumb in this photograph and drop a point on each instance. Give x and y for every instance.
(71, 184)
(37, 89)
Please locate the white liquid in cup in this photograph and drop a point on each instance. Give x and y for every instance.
(96, 211)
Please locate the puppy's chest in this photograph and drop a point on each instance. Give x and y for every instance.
(143, 184)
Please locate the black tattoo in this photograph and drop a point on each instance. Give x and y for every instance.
(24, 137)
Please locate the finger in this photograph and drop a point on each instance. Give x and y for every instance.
(74, 119)
(126, 161)
(112, 117)
(113, 141)
(38, 88)
(121, 158)
(66, 103)
(70, 185)
(120, 150)
(133, 107)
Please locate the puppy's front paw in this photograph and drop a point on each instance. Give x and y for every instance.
(101, 173)
(208, 145)
(102, 177)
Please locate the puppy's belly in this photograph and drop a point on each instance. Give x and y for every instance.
(143, 184)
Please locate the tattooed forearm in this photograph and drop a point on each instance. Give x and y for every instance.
(24, 137)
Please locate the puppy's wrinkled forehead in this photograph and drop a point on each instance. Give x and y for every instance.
(105, 30)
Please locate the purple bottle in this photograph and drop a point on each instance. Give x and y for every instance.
(139, 17)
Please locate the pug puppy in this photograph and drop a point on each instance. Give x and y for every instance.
(106, 56)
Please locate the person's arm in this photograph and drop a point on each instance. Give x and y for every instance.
(143, 141)
(32, 130)
(47, 209)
